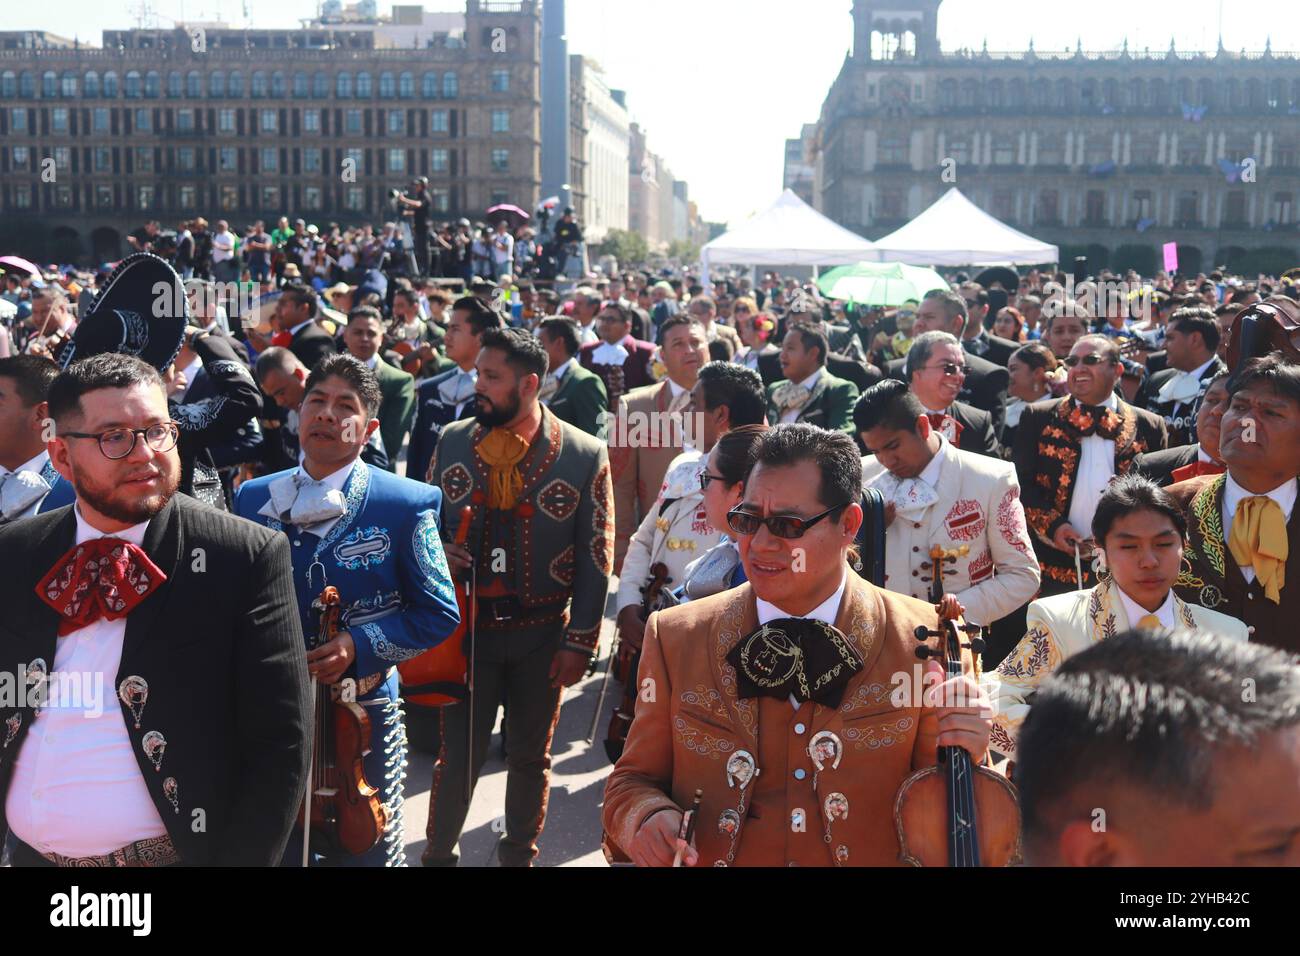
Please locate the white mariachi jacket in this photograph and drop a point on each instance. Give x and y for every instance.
(675, 534)
(1060, 626)
(978, 505)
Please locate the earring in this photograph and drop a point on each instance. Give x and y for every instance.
(1099, 567)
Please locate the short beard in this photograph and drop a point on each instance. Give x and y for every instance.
(497, 417)
(134, 512)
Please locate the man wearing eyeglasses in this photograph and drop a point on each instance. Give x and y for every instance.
(164, 640)
(1066, 452)
(622, 362)
(935, 370)
(775, 700)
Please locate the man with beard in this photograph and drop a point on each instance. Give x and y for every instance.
(184, 614)
(538, 494)
(374, 537)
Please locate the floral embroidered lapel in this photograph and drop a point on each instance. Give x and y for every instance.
(1206, 562)
(1107, 617)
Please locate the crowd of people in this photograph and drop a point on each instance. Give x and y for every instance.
(403, 447)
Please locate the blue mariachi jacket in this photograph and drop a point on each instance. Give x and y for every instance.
(385, 557)
(61, 491)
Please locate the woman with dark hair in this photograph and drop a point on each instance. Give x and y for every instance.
(1140, 530)
(1010, 324)
(723, 480)
(1032, 369)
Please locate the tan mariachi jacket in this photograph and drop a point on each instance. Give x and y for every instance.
(1060, 627)
(691, 728)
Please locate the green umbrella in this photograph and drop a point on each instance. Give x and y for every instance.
(879, 283)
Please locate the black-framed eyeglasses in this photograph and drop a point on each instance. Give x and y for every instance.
(783, 526)
(705, 478)
(118, 443)
(1093, 359)
(949, 368)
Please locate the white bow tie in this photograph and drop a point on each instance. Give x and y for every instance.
(19, 490)
(910, 496)
(1015, 409)
(1181, 388)
(301, 501)
(460, 389)
(606, 354)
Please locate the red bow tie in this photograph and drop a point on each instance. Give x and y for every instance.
(947, 426)
(106, 577)
(282, 340)
(1196, 469)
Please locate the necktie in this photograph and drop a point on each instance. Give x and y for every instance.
(19, 490)
(502, 451)
(106, 577)
(1149, 622)
(1258, 540)
(799, 656)
(303, 502)
(1195, 470)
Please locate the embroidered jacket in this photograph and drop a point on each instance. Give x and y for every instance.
(1060, 627)
(564, 525)
(385, 557)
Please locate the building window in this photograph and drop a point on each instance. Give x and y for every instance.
(499, 196)
(1049, 207)
(229, 197)
(396, 121)
(185, 159)
(143, 120)
(99, 119)
(22, 196)
(50, 84)
(450, 86)
(301, 86)
(352, 121)
(311, 160)
(9, 83)
(500, 121)
(18, 120)
(59, 119)
(270, 197)
(891, 205)
(387, 86)
(188, 197)
(216, 85)
(343, 86)
(68, 85)
(144, 160)
(353, 156)
(438, 160)
(175, 85)
(259, 88)
(278, 88)
(500, 81)
(429, 86)
(501, 160)
(62, 157)
(143, 197)
(1234, 210)
(27, 85)
(1142, 204)
(1004, 153)
(1281, 213)
(894, 150)
(270, 160)
(406, 86)
(1189, 204)
(270, 121)
(311, 197)
(22, 156)
(89, 85)
(185, 121)
(959, 151)
(320, 86)
(354, 200)
(311, 121)
(441, 200)
(1094, 213)
(397, 160)
(365, 86)
(226, 121)
(152, 84)
(103, 159)
(236, 85)
(63, 197)
(193, 84)
(438, 121)
(227, 159)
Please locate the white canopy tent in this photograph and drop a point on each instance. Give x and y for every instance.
(956, 232)
(787, 233)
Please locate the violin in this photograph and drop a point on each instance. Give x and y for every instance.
(439, 676)
(955, 813)
(341, 809)
(624, 667)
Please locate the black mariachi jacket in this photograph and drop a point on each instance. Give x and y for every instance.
(1047, 463)
(220, 647)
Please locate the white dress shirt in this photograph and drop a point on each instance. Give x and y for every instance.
(792, 414)
(562, 370)
(1096, 468)
(826, 612)
(300, 326)
(1135, 612)
(1233, 494)
(190, 372)
(35, 466)
(587, 334)
(77, 787)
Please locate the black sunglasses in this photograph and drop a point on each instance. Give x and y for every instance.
(705, 478)
(1093, 359)
(949, 368)
(783, 526)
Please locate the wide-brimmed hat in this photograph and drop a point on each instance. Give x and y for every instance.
(142, 310)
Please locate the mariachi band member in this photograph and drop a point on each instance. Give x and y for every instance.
(1067, 451)
(1140, 530)
(374, 537)
(1181, 462)
(934, 370)
(1243, 548)
(184, 615)
(29, 482)
(1178, 390)
(542, 541)
(797, 756)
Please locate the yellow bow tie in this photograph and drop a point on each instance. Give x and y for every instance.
(1258, 540)
(1149, 622)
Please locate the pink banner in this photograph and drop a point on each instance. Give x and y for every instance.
(1171, 256)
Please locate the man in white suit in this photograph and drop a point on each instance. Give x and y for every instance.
(937, 494)
(1140, 529)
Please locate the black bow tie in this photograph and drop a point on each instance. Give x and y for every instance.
(799, 656)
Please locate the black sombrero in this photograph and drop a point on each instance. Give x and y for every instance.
(142, 311)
